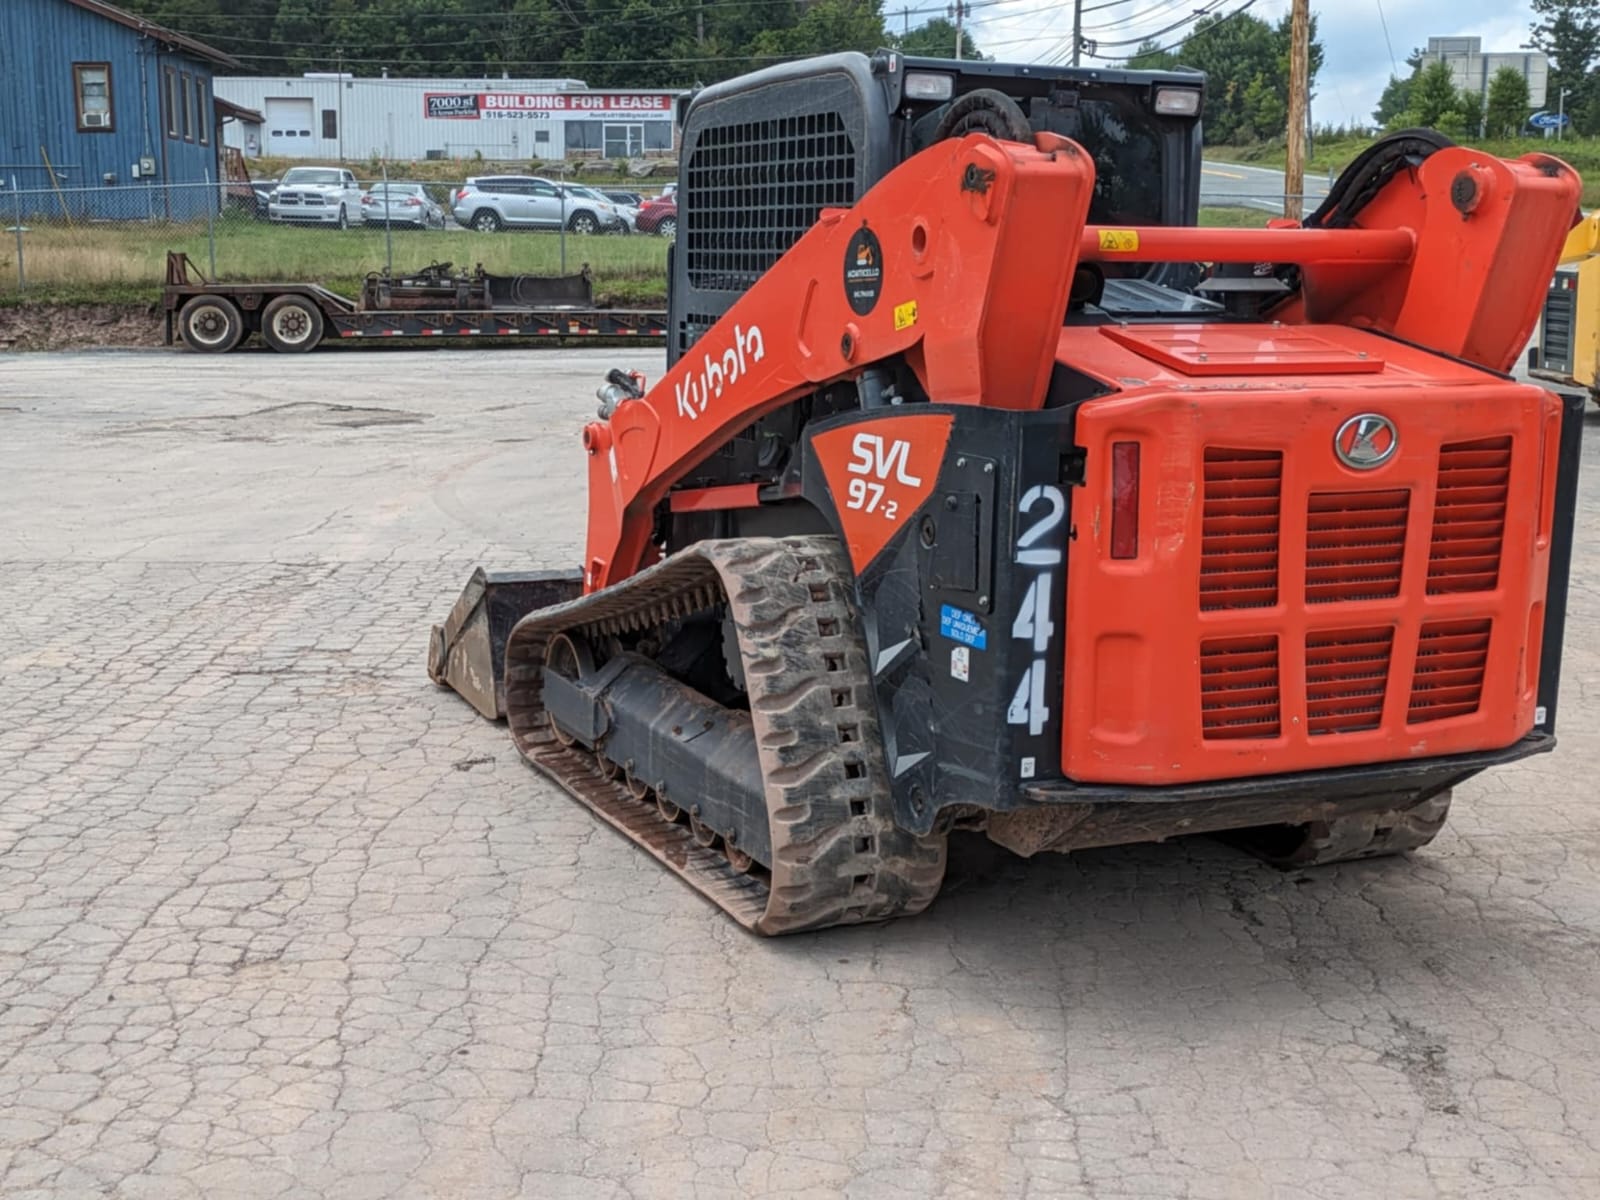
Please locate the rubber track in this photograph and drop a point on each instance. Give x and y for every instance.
(1363, 835)
(838, 857)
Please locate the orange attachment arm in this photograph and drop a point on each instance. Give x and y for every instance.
(1455, 256)
(960, 259)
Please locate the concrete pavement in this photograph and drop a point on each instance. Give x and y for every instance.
(279, 919)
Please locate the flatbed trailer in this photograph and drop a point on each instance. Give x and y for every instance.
(290, 317)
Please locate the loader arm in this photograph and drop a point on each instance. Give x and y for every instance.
(960, 259)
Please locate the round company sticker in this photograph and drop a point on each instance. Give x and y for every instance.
(863, 271)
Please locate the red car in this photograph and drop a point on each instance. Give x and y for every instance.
(659, 215)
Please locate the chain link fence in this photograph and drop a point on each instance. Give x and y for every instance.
(111, 241)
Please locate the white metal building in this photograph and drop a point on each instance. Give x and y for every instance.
(1471, 69)
(328, 116)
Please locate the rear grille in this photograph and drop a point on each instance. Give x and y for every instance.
(1448, 679)
(753, 188)
(1355, 545)
(1347, 673)
(1239, 688)
(1240, 527)
(1469, 516)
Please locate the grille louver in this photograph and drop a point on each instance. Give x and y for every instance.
(1347, 674)
(754, 187)
(1355, 545)
(1239, 695)
(1448, 679)
(1240, 529)
(1469, 516)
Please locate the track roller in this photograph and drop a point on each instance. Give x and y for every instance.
(829, 852)
(1348, 838)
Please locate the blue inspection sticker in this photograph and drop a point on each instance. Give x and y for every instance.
(959, 625)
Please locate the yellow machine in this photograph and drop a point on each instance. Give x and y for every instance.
(1569, 333)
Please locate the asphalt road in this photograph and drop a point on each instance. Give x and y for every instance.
(1235, 184)
(280, 919)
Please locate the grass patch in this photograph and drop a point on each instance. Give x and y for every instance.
(1234, 217)
(126, 263)
(1581, 154)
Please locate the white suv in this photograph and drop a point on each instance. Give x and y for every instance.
(316, 196)
(492, 202)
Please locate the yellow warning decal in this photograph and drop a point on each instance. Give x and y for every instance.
(1121, 241)
(905, 315)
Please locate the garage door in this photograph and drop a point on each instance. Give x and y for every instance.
(289, 128)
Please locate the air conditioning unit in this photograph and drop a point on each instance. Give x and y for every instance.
(96, 120)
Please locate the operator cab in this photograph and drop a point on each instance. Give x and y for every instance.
(764, 154)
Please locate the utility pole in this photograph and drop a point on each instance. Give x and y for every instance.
(1077, 31)
(958, 10)
(1294, 167)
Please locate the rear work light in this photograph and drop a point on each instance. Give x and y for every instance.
(1177, 102)
(929, 85)
(1124, 499)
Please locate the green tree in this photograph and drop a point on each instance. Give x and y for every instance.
(1507, 106)
(1436, 104)
(1568, 32)
(937, 39)
(1246, 61)
(1396, 98)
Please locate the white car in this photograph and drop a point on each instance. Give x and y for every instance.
(316, 196)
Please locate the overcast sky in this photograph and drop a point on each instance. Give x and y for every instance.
(1358, 54)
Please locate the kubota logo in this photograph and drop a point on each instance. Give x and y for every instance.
(1366, 441)
(694, 392)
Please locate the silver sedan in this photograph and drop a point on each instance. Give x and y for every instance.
(406, 204)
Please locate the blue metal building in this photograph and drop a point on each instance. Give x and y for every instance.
(111, 115)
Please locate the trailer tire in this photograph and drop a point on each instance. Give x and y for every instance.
(210, 324)
(292, 324)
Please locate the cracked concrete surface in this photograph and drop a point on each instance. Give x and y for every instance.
(279, 919)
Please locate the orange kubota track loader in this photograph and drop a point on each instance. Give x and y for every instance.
(975, 497)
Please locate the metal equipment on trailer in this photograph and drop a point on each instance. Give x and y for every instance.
(296, 317)
(983, 492)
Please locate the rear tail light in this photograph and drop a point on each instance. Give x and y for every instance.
(461, 194)
(413, 203)
(1125, 500)
(367, 200)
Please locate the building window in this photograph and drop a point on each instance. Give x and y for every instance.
(186, 91)
(172, 105)
(91, 84)
(330, 123)
(541, 135)
(624, 141)
(583, 135)
(202, 112)
(658, 135)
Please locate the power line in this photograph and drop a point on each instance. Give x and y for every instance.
(1394, 68)
(432, 71)
(1181, 42)
(1198, 14)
